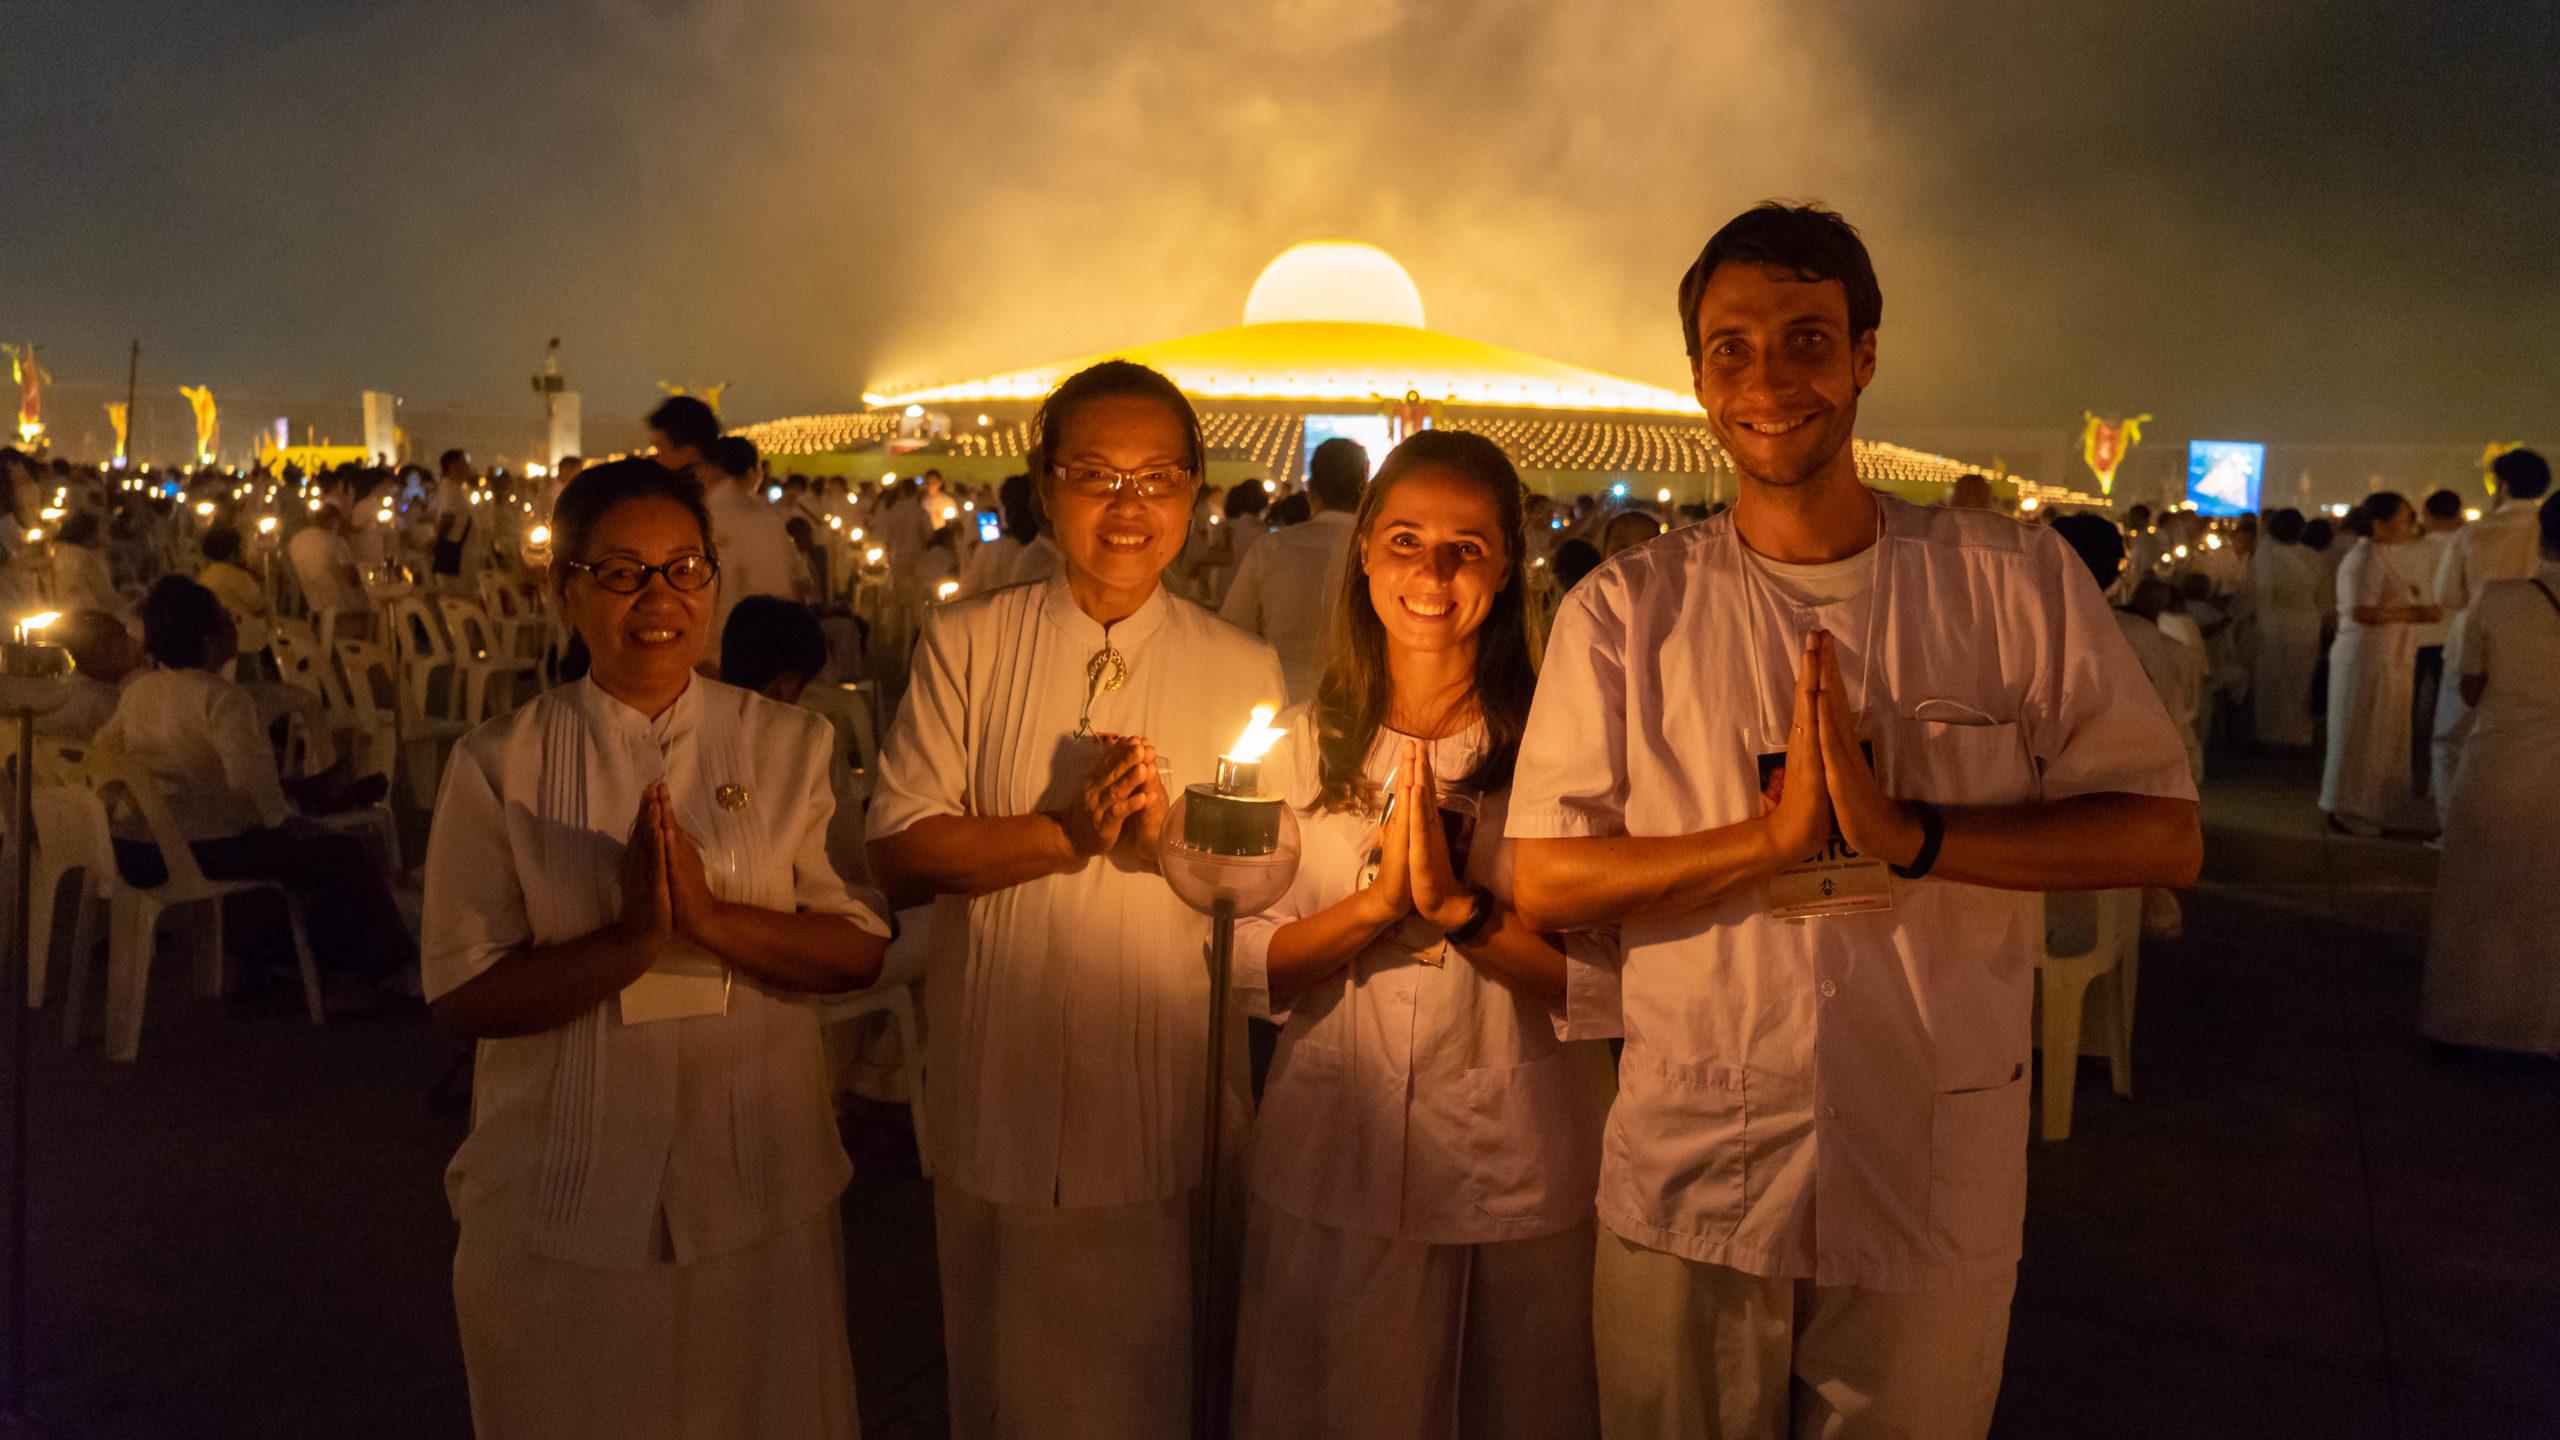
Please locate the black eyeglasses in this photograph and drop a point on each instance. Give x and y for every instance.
(619, 575)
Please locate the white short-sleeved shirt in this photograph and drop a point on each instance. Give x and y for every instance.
(756, 553)
(1414, 1096)
(1066, 1017)
(615, 1145)
(1844, 1099)
(199, 735)
(1286, 589)
(322, 558)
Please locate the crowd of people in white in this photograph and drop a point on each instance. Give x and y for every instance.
(1790, 1203)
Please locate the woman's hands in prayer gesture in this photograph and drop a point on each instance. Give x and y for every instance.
(696, 911)
(1799, 819)
(1388, 897)
(1874, 823)
(1440, 894)
(1123, 788)
(648, 906)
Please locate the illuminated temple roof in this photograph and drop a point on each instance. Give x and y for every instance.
(1332, 325)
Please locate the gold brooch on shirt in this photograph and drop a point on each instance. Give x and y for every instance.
(731, 797)
(1107, 671)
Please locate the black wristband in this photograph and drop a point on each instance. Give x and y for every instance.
(1933, 830)
(1473, 930)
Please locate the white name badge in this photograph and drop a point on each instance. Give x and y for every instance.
(689, 983)
(1834, 880)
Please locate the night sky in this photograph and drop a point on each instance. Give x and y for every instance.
(2283, 220)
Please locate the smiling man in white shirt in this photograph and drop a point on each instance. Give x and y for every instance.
(1815, 1173)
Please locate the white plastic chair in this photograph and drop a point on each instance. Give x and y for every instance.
(522, 629)
(71, 839)
(423, 653)
(898, 1002)
(480, 658)
(2067, 1026)
(135, 911)
(413, 743)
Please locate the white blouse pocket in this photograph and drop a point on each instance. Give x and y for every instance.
(1527, 1140)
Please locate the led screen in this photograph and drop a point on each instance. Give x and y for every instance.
(2223, 476)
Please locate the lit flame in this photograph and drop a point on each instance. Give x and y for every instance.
(204, 507)
(541, 535)
(872, 555)
(267, 526)
(947, 589)
(1258, 736)
(42, 619)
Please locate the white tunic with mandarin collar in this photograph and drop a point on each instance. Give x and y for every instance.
(617, 1145)
(1842, 1100)
(1068, 1015)
(608, 1162)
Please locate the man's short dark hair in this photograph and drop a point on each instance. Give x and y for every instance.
(686, 421)
(734, 455)
(2285, 526)
(2521, 474)
(1247, 497)
(2444, 505)
(451, 458)
(2098, 543)
(1336, 472)
(768, 637)
(1809, 241)
(179, 620)
(220, 543)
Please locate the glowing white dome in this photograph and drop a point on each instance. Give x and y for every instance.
(1334, 280)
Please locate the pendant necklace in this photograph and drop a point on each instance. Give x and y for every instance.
(1107, 671)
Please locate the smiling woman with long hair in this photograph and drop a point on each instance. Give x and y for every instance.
(1067, 1004)
(1418, 1250)
(629, 906)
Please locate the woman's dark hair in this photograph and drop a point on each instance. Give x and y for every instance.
(179, 620)
(2376, 508)
(598, 488)
(768, 636)
(1575, 559)
(1016, 500)
(1808, 241)
(1108, 379)
(1246, 497)
(2285, 526)
(1351, 700)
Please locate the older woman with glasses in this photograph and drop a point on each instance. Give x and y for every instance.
(1024, 785)
(629, 905)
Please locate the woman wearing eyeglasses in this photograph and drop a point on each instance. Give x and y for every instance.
(1067, 1000)
(629, 905)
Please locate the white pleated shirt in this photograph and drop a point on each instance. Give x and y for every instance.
(1844, 1099)
(1414, 1096)
(615, 1145)
(1066, 1017)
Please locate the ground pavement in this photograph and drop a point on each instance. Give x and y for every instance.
(2300, 1225)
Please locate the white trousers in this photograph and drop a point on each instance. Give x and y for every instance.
(1705, 1352)
(1357, 1337)
(744, 1346)
(1065, 1324)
